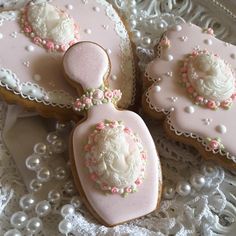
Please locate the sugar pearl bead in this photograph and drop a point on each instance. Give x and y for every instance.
(27, 202)
(52, 137)
(183, 188)
(19, 220)
(54, 196)
(33, 162)
(58, 146)
(43, 208)
(197, 181)
(168, 192)
(35, 185)
(65, 227)
(34, 225)
(146, 41)
(137, 34)
(69, 188)
(67, 210)
(75, 201)
(40, 148)
(60, 173)
(13, 232)
(44, 174)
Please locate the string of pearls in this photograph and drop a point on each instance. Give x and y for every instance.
(33, 209)
(195, 183)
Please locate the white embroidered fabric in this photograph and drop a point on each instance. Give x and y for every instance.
(199, 198)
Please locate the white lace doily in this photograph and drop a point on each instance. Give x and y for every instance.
(199, 198)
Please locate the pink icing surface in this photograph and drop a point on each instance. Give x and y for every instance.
(181, 120)
(114, 209)
(86, 64)
(48, 65)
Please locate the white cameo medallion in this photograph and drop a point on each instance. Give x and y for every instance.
(211, 77)
(115, 158)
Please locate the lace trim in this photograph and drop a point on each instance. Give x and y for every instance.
(203, 141)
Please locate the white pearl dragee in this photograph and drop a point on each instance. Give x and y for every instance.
(40, 148)
(19, 219)
(169, 192)
(65, 226)
(44, 174)
(183, 188)
(13, 232)
(35, 185)
(33, 162)
(34, 225)
(197, 181)
(60, 173)
(75, 201)
(54, 196)
(27, 202)
(43, 208)
(67, 209)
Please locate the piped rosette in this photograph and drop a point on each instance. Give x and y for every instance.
(115, 158)
(208, 79)
(49, 26)
(94, 97)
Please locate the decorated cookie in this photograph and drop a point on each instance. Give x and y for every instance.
(114, 160)
(34, 40)
(193, 88)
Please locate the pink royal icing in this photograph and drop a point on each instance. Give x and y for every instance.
(205, 67)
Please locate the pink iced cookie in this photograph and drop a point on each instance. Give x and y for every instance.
(114, 160)
(33, 42)
(194, 87)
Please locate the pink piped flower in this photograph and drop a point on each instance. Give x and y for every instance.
(37, 40)
(114, 190)
(127, 130)
(199, 99)
(212, 105)
(100, 126)
(87, 101)
(50, 45)
(108, 94)
(190, 89)
(93, 176)
(128, 190)
(117, 93)
(214, 144)
(78, 104)
(64, 47)
(138, 181)
(227, 103)
(113, 124)
(27, 29)
(98, 94)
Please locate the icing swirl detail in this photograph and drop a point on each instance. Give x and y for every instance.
(115, 158)
(49, 26)
(93, 97)
(209, 80)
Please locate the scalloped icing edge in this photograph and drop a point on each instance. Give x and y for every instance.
(193, 136)
(125, 45)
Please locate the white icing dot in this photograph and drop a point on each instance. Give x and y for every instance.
(208, 41)
(189, 109)
(233, 56)
(114, 77)
(13, 34)
(184, 38)
(97, 9)
(26, 63)
(69, 7)
(30, 48)
(88, 31)
(170, 74)
(169, 57)
(178, 28)
(157, 88)
(37, 77)
(173, 99)
(221, 129)
(172, 109)
(207, 121)
(108, 51)
(1, 35)
(84, 1)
